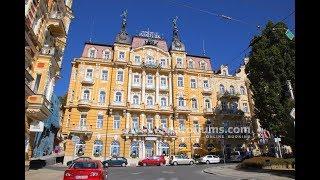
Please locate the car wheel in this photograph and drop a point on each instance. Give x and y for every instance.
(208, 162)
(175, 163)
(123, 165)
(191, 162)
(144, 164)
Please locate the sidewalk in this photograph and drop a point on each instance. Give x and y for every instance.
(231, 171)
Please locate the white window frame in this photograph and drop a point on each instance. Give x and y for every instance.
(90, 51)
(134, 79)
(182, 124)
(135, 122)
(196, 126)
(181, 82)
(133, 99)
(150, 124)
(163, 122)
(242, 90)
(148, 80)
(116, 122)
(106, 54)
(148, 101)
(245, 107)
(89, 77)
(192, 62)
(163, 63)
(203, 65)
(192, 103)
(206, 103)
(122, 77)
(194, 83)
(97, 145)
(179, 102)
(86, 97)
(206, 84)
(136, 57)
(104, 75)
(105, 94)
(83, 120)
(116, 97)
(233, 90)
(220, 89)
(179, 62)
(165, 101)
(120, 55)
(161, 81)
(100, 121)
(115, 145)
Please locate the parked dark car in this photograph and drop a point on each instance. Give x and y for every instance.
(79, 158)
(115, 161)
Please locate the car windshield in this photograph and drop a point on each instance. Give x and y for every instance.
(85, 165)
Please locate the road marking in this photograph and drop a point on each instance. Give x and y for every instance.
(168, 172)
(136, 173)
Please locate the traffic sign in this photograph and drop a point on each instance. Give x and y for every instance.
(75, 139)
(293, 113)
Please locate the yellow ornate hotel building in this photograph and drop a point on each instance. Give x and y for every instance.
(46, 28)
(140, 97)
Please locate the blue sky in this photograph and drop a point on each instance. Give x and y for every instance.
(224, 40)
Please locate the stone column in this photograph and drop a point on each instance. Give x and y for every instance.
(142, 120)
(157, 87)
(170, 89)
(143, 149)
(129, 86)
(170, 122)
(143, 86)
(128, 115)
(157, 120)
(157, 149)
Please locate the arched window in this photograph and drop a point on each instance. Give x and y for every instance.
(80, 148)
(134, 149)
(221, 88)
(242, 90)
(181, 101)
(97, 148)
(118, 96)
(149, 101)
(135, 122)
(182, 145)
(115, 148)
(232, 90)
(207, 103)
(191, 64)
(164, 148)
(194, 104)
(102, 97)
(86, 94)
(163, 102)
(135, 100)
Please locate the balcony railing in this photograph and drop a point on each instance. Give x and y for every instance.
(135, 106)
(55, 24)
(147, 132)
(38, 107)
(182, 108)
(115, 103)
(164, 88)
(228, 111)
(86, 103)
(150, 64)
(208, 111)
(164, 107)
(228, 95)
(150, 87)
(88, 81)
(179, 66)
(207, 90)
(136, 85)
(81, 130)
(151, 107)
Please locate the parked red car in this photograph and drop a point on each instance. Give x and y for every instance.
(152, 161)
(86, 169)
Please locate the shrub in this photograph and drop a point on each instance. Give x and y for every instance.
(260, 162)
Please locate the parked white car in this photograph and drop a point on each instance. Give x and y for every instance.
(209, 159)
(175, 160)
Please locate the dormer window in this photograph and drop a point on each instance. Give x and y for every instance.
(163, 63)
(137, 59)
(191, 64)
(121, 55)
(202, 65)
(92, 53)
(179, 62)
(224, 72)
(106, 54)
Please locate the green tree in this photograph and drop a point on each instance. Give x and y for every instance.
(63, 101)
(271, 64)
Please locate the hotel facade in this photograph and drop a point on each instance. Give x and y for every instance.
(46, 28)
(141, 97)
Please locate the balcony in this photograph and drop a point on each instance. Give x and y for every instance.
(54, 53)
(84, 103)
(182, 109)
(179, 67)
(207, 90)
(81, 130)
(228, 111)
(150, 106)
(55, 24)
(228, 96)
(150, 87)
(157, 132)
(38, 107)
(164, 88)
(136, 86)
(88, 81)
(208, 111)
(135, 106)
(166, 108)
(152, 65)
(118, 104)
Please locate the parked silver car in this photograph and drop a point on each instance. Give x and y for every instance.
(175, 160)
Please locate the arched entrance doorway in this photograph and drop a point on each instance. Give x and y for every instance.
(149, 148)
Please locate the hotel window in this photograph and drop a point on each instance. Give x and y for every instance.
(89, 74)
(162, 62)
(83, 120)
(232, 90)
(135, 122)
(245, 107)
(121, 55)
(191, 64)
(149, 80)
(182, 125)
(193, 83)
(163, 102)
(120, 76)
(116, 122)
(196, 126)
(104, 75)
(207, 103)
(86, 94)
(194, 104)
(36, 83)
(100, 121)
(102, 97)
(150, 60)
(163, 122)
(221, 89)
(181, 101)
(163, 82)
(202, 65)
(92, 53)
(149, 123)
(106, 54)
(180, 81)
(136, 79)
(205, 84)
(149, 101)
(97, 148)
(118, 96)
(179, 62)
(135, 100)
(137, 59)
(242, 90)
(115, 148)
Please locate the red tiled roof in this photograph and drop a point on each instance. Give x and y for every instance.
(138, 41)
